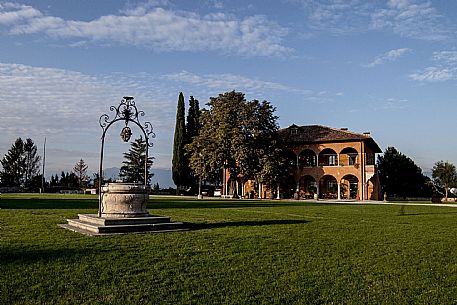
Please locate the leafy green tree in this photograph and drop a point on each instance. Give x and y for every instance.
(31, 162)
(444, 176)
(400, 176)
(13, 164)
(179, 164)
(80, 169)
(132, 169)
(20, 164)
(237, 135)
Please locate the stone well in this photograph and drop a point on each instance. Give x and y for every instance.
(123, 210)
(124, 200)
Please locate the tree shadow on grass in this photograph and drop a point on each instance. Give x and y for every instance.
(59, 203)
(216, 204)
(26, 256)
(39, 203)
(251, 223)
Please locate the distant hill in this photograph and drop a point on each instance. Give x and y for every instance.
(161, 176)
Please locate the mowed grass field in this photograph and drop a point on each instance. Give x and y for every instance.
(239, 252)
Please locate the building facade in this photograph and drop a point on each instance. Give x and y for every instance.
(330, 163)
(324, 163)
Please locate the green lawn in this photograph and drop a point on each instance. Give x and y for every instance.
(239, 252)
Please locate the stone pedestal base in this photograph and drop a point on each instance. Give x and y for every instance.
(91, 224)
(123, 210)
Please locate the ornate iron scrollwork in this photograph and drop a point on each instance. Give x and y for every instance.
(128, 112)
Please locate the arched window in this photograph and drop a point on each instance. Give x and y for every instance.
(328, 157)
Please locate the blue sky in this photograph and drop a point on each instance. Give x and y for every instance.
(388, 67)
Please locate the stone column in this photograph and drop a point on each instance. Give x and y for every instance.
(339, 190)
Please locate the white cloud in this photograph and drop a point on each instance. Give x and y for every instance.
(389, 56)
(157, 28)
(433, 74)
(449, 57)
(65, 107)
(228, 82)
(444, 70)
(409, 18)
(337, 16)
(11, 13)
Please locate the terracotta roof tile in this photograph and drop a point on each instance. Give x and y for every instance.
(319, 133)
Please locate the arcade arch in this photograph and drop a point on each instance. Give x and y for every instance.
(348, 156)
(307, 158)
(328, 187)
(349, 187)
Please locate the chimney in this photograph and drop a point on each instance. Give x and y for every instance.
(366, 133)
(344, 128)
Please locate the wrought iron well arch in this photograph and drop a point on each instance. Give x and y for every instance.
(128, 112)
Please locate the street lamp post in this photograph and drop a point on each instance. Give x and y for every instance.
(200, 196)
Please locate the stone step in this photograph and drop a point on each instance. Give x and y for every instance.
(83, 225)
(158, 224)
(94, 219)
(141, 227)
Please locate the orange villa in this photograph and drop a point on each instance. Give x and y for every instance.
(324, 163)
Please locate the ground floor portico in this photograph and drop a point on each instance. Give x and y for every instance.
(328, 186)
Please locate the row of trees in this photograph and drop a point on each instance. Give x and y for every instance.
(231, 134)
(21, 168)
(401, 177)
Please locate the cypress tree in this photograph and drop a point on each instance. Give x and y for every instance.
(178, 163)
(192, 119)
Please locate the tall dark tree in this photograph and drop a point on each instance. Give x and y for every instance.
(444, 176)
(31, 162)
(179, 164)
(400, 176)
(192, 129)
(132, 169)
(13, 164)
(20, 164)
(193, 119)
(80, 170)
